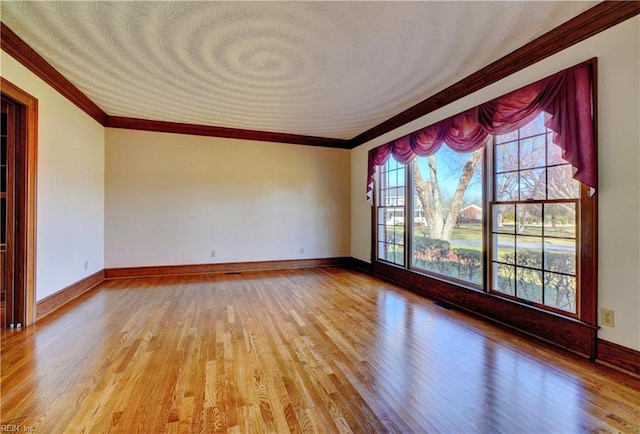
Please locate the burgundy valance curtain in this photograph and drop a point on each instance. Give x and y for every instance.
(565, 96)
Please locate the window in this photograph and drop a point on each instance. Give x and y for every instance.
(533, 226)
(391, 212)
(531, 213)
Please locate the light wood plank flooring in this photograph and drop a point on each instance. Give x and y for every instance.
(322, 350)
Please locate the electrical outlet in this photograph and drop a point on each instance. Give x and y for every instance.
(86, 265)
(213, 253)
(301, 250)
(607, 317)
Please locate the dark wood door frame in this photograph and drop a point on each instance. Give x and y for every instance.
(25, 200)
(7, 258)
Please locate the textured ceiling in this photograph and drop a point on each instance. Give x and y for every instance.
(327, 69)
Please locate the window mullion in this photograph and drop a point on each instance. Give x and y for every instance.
(487, 215)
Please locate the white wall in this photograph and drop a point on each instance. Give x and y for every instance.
(70, 185)
(172, 199)
(618, 52)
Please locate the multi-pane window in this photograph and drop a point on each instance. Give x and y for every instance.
(526, 231)
(391, 212)
(534, 220)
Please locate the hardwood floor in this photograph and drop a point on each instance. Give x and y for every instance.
(322, 350)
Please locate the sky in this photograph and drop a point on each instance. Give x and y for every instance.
(449, 167)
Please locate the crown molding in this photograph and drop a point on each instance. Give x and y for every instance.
(595, 20)
(230, 133)
(23, 53)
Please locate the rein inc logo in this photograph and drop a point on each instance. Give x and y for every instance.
(16, 428)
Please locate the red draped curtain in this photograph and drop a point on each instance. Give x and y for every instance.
(565, 96)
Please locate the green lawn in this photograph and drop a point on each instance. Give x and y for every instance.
(467, 232)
